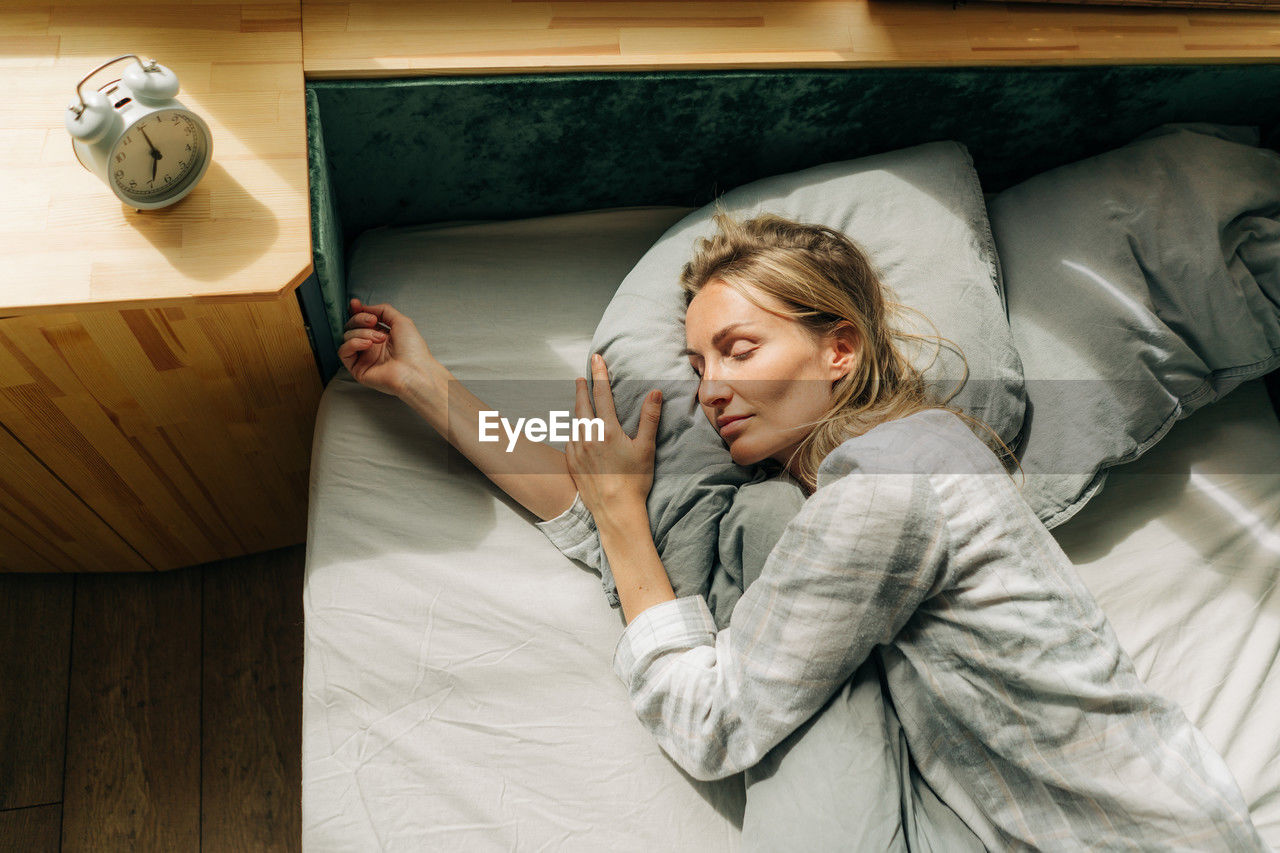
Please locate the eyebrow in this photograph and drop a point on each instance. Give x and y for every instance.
(718, 337)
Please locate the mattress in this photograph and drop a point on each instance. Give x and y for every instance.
(458, 687)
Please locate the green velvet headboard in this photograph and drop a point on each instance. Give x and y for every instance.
(434, 149)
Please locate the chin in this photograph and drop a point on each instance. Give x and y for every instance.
(744, 454)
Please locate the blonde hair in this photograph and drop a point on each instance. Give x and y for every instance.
(826, 282)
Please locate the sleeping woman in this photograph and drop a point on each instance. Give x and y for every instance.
(1003, 712)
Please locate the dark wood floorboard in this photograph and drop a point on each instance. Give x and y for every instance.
(35, 647)
(252, 743)
(133, 729)
(30, 830)
(157, 711)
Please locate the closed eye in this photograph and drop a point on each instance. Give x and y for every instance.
(739, 356)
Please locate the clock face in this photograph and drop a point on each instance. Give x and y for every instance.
(159, 156)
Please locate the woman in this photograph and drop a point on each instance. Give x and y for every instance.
(915, 585)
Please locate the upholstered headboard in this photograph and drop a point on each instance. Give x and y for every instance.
(434, 149)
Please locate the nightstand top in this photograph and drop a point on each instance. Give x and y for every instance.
(66, 241)
(391, 38)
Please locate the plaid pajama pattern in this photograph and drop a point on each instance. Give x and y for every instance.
(1021, 710)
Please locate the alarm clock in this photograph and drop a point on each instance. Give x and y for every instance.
(137, 137)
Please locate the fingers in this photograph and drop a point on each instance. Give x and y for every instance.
(349, 352)
(370, 316)
(354, 307)
(581, 400)
(650, 414)
(370, 334)
(365, 320)
(600, 387)
(384, 312)
(360, 318)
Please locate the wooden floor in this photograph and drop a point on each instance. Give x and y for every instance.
(153, 711)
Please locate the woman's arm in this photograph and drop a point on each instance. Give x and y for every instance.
(613, 477)
(638, 574)
(533, 473)
(849, 571)
(398, 362)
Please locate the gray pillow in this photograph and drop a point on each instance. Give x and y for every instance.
(1141, 284)
(752, 525)
(919, 215)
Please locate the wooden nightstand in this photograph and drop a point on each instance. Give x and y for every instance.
(157, 384)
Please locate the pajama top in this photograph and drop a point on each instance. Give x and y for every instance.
(1020, 708)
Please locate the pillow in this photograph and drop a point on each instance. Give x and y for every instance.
(919, 215)
(758, 513)
(1142, 284)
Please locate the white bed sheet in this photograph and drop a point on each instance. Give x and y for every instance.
(458, 690)
(1182, 550)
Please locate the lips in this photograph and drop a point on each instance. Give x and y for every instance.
(731, 424)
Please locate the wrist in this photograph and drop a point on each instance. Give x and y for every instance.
(425, 385)
(622, 519)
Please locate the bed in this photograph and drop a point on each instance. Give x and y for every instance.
(458, 689)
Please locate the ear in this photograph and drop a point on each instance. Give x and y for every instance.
(844, 350)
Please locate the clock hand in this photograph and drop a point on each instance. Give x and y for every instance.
(154, 152)
(156, 156)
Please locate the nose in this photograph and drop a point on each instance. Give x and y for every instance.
(713, 392)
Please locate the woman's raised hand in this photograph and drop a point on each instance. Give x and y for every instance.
(617, 472)
(387, 361)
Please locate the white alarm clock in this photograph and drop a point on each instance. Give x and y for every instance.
(136, 136)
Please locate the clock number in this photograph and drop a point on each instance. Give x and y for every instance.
(120, 158)
(119, 173)
(188, 146)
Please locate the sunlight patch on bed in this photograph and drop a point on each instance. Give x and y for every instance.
(572, 350)
(1257, 528)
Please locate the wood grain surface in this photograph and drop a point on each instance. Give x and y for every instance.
(44, 526)
(157, 388)
(31, 830)
(184, 431)
(133, 735)
(35, 638)
(66, 241)
(379, 39)
(251, 737)
(184, 725)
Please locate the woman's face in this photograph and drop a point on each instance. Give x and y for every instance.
(765, 378)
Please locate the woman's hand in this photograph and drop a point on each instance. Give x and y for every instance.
(387, 361)
(613, 476)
